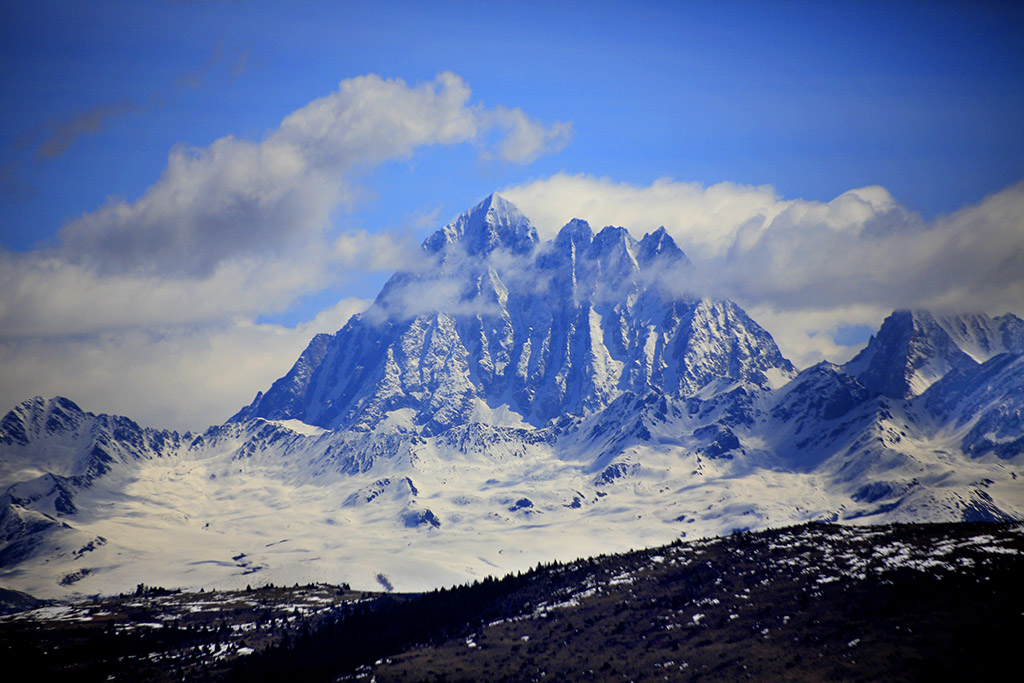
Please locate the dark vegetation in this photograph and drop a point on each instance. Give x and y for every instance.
(814, 602)
(158, 634)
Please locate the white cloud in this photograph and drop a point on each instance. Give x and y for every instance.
(171, 376)
(805, 267)
(807, 336)
(707, 219)
(524, 139)
(147, 300)
(239, 198)
(377, 251)
(49, 297)
(426, 296)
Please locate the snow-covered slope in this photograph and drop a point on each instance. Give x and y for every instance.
(511, 402)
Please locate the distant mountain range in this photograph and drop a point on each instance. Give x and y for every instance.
(515, 401)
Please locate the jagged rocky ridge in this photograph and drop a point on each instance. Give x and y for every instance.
(548, 329)
(511, 401)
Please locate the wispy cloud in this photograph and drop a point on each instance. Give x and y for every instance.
(241, 64)
(194, 79)
(378, 251)
(53, 138)
(522, 139)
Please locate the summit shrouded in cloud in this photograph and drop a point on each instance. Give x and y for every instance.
(813, 267)
(546, 328)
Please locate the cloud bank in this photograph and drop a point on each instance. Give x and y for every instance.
(179, 376)
(808, 269)
(135, 300)
(240, 198)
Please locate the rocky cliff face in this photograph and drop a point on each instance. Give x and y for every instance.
(546, 329)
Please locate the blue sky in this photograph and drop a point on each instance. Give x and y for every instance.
(923, 99)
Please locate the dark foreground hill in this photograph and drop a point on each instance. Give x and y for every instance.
(813, 602)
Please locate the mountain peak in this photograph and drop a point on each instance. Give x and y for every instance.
(612, 235)
(575, 237)
(660, 245)
(494, 223)
(577, 231)
(915, 348)
(494, 204)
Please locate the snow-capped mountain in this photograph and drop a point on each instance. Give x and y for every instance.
(545, 330)
(513, 401)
